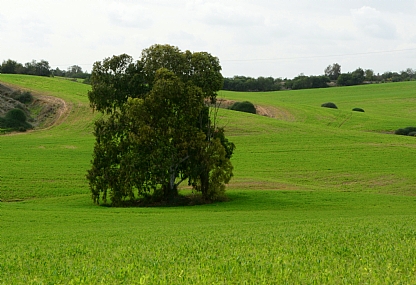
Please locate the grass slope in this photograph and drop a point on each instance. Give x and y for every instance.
(332, 220)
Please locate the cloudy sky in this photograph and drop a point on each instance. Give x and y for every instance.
(251, 38)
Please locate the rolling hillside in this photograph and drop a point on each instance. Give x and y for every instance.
(319, 196)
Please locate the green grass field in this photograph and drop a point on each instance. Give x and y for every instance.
(320, 196)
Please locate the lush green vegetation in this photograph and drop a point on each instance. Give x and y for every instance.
(329, 105)
(320, 196)
(245, 106)
(42, 68)
(332, 77)
(15, 119)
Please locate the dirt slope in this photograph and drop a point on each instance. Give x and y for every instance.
(42, 112)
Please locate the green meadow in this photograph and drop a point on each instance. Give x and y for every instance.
(320, 196)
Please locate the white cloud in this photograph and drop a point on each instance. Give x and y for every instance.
(129, 15)
(35, 32)
(296, 36)
(373, 23)
(223, 15)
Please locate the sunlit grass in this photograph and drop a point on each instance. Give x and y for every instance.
(321, 197)
(259, 236)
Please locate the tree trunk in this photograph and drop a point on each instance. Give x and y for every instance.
(204, 176)
(170, 191)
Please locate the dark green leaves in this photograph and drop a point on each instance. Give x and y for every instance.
(157, 131)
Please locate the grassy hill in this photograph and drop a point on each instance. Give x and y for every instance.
(319, 196)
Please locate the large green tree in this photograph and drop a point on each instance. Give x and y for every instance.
(157, 130)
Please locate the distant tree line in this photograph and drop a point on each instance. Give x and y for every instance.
(306, 82)
(360, 76)
(73, 71)
(243, 83)
(332, 77)
(42, 68)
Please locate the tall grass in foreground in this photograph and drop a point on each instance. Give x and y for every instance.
(266, 237)
(319, 197)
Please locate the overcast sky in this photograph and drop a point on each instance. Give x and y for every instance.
(251, 38)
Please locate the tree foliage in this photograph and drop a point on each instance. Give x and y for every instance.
(243, 83)
(40, 68)
(354, 78)
(157, 131)
(333, 71)
(306, 82)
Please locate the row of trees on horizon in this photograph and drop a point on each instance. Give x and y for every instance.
(41, 68)
(332, 77)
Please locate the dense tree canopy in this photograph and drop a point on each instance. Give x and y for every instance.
(306, 82)
(333, 71)
(243, 83)
(157, 130)
(354, 78)
(40, 68)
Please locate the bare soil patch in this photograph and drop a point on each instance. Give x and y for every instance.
(43, 112)
(261, 185)
(267, 111)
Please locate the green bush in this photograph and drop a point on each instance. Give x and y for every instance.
(17, 115)
(409, 131)
(2, 122)
(412, 134)
(245, 106)
(329, 105)
(401, 132)
(23, 97)
(358, 110)
(15, 120)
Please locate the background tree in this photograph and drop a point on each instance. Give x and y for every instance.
(242, 83)
(354, 78)
(41, 68)
(9, 66)
(369, 75)
(333, 71)
(75, 71)
(158, 131)
(58, 72)
(345, 79)
(305, 82)
(358, 76)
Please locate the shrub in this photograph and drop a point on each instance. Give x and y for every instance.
(329, 105)
(23, 97)
(16, 115)
(401, 132)
(245, 106)
(412, 134)
(2, 122)
(358, 110)
(409, 131)
(15, 120)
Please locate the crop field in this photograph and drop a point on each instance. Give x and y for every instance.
(320, 196)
